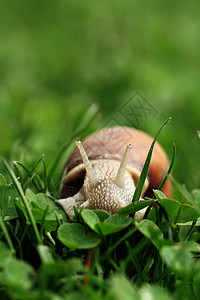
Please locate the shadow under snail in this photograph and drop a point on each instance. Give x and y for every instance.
(106, 177)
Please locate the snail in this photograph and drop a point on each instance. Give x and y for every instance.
(106, 177)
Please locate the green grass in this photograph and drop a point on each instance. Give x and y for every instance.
(66, 68)
(45, 255)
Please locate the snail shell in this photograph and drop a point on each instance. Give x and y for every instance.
(106, 177)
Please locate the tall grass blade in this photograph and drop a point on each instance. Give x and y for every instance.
(29, 173)
(6, 234)
(24, 200)
(145, 169)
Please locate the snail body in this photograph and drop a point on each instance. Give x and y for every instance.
(105, 178)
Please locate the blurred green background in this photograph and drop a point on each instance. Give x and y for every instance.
(57, 58)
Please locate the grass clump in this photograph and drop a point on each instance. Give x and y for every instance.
(44, 255)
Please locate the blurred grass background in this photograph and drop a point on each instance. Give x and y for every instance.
(57, 58)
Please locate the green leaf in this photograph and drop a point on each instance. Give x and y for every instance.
(5, 254)
(102, 214)
(171, 207)
(135, 206)
(196, 279)
(110, 225)
(187, 213)
(30, 195)
(18, 276)
(159, 195)
(21, 206)
(150, 230)
(178, 258)
(50, 222)
(8, 194)
(179, 212)
(188, 197)
(196, 194)
(113, 224)
(60, 268)
(121, 288)
(45, 254)
(90, 218)
(41, 201)
(42, 204)
(152, 215)
(74, 236)
(191, 246)
(154, 293)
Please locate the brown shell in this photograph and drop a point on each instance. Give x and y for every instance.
(110, 143)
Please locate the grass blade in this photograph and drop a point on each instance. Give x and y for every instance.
(189, 198)
(21, 193)
(145, 169)
(44, 175)
(6, 234)
(16, 162)
(120, 241)
(170, 168)
(28, 181)
(29, 173)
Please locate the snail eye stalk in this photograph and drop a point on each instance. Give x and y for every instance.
(119, 179)
(90, 172)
